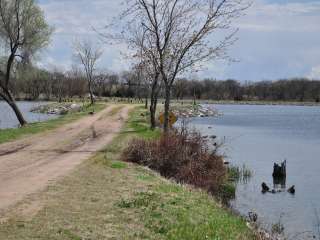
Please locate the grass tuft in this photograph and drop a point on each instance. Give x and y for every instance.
(118, 165)
(239, 174)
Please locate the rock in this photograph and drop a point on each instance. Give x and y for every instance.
(253, 217)
(265, 187)
(74, 107)
(292, 190)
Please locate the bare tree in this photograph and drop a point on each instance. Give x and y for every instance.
(58, 79)
(113, 81)
(88, 56)
(140, 39)
(23, 31)
(142, 52)
(100, 83)
(77, 82)
(152, 75)
(180, 88)
(179, 34)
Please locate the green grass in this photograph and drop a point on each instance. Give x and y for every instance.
(118, 165)
(138, 124)
(33, 128)
(171, 212)
(105, 198)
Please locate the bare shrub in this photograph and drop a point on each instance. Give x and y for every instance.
(182, 155)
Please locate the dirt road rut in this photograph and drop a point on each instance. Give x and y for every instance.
(30, 164)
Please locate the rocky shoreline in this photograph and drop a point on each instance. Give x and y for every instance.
(58, 108)
(190, 111)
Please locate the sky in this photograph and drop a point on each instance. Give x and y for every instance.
(276, 39)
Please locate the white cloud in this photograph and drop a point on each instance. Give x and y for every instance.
(74, 20)
(78, 17)
(276, 40)
(293, 17)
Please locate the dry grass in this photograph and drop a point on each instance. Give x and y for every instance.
(182, 155)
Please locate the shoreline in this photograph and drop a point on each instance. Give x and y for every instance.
(255, 228)
(191, 101)
(261, 103)
(257, 103)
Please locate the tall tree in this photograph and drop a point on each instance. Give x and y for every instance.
(140, 40)
(142, 51)
(88, 56)
(23, 31)
(148, 65)
(179, 32)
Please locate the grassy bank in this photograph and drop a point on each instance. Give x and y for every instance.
(32, 128)
(109, 199)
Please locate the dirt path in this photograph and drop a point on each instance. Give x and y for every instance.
(30, 164)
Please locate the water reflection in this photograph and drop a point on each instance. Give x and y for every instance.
(279, 183)
(9, 120)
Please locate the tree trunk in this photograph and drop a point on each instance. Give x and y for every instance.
(6, 94)
(167, 108)
(153, 110)
(154, 101)
(146, 103)
(91, 94)
(153, 106)
(18, 113)
(12, 103)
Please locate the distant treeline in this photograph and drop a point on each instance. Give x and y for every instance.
(280, 90)
(34, 84)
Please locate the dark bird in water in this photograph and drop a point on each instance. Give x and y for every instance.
(265, 188)
(292, 190)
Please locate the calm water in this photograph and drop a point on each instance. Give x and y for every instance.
(258, 136)
(8, 118)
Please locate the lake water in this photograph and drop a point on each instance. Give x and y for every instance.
(258, 136)
(9, 120)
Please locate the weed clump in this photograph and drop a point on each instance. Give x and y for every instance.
(239, 174)
(182, 155)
